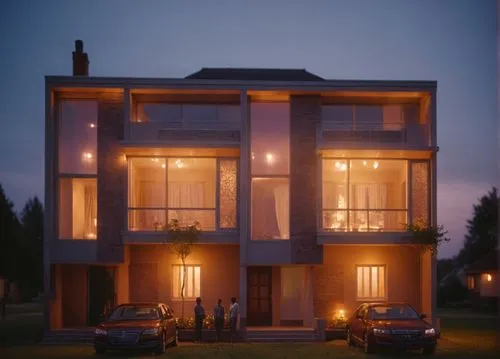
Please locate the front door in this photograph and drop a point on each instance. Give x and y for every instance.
(259, 301)
(101, 293)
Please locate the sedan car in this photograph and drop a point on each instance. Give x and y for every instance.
(137, 326)
(395, 325)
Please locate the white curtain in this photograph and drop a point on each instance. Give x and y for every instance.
(282, 208)
(90, 211)
(187, 195)
(78, 209)
(372, 196)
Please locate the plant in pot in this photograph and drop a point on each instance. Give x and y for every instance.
(426, 236)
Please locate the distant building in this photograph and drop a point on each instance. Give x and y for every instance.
(482, 280)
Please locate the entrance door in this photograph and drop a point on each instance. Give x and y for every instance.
(259, 296)
(101, 293)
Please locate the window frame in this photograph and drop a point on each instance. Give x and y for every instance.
(174, 298)
(370, 266)
(166, 209)
(348, 210)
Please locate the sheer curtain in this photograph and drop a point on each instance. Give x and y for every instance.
(90, 211)
(186, 195)
(78, 208)
(282, 208)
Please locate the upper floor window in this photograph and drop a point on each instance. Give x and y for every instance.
(364, 195)
(188, 189)
(270, 164)
(78, 208)
(77, 129)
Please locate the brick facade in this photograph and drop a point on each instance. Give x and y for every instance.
(305, 113)
(111, 179)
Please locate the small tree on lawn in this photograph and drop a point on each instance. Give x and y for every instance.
(429, 238)
(183, 238)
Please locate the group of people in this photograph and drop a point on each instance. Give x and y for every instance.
(199, 316)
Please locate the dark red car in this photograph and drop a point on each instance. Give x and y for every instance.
(137, 326)
(396, 325)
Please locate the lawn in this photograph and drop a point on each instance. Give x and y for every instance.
(462, 337)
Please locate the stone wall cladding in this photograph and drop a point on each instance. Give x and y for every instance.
(305, 114)
(110, 179)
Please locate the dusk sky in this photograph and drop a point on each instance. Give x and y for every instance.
(453, 42)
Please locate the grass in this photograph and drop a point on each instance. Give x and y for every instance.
(462, 337)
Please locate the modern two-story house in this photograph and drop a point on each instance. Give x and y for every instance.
(302, 187)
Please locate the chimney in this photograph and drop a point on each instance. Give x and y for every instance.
(80, 60)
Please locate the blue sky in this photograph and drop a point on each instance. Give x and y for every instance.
(451, 41)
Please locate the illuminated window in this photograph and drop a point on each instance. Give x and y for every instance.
(270, 164)
(78, 137)
(192, 283)
(364, 195)
(78, 208)
(161, 189)
(371, 282)
(471, 282)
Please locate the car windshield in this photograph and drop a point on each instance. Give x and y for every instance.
(135, 312)
(392, 312)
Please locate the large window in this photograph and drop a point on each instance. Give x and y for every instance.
(370, 282)
(186, 189)
(270, 147)
(78, 208)
(364, 195)
(192, 284)
(77, 167)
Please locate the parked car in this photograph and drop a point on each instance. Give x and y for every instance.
(137, 326)
(396, 325)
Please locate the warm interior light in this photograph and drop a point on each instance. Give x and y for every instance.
(179, 163)
(95, 222)
(92, 125)
(375, 164)
(253, 156)
(87, 155)
(270, 158)
(365, 163)
(488, 277)
(343, 167)
(163, 166)
(139, 120)
(91, 236)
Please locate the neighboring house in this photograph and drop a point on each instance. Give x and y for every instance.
(302, 187)
(482, 280)
(455, 274)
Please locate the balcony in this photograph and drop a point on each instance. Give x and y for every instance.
(392, 126)
(186, 123)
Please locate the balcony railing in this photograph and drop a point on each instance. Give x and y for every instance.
(156, 219)
(364, 220)
(349, 131)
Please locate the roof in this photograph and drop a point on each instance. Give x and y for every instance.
(254, 74)
(488, 263)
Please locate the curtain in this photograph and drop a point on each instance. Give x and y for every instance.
(90, 211)
(369, 196)
(282, 208)
(187, 195)
(78, 209)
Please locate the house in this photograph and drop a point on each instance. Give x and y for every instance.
(482, 280)
(301, 185)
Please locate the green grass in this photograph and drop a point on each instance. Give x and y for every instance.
(462, 338)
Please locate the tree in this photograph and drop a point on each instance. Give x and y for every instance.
(482, 229)
(31, 247)
(9, 236)
(183, 238)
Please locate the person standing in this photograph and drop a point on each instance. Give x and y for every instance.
(199, 316)
(234, 312)
(219, 319)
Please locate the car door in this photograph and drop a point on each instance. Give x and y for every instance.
(357, 326)
(169, 323)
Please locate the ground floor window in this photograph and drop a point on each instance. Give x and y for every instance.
(471, 282)
(371, 282)
(192, 283)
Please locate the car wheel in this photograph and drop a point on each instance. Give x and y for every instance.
(366, 345)
(163, 343)
(176, 338)
(429, 350)
(349, 338)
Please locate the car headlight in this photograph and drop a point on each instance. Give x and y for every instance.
(430, 331)
(378, 331)
(99, 331)
(151, 331)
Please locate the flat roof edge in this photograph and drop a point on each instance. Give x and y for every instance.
(145, 82)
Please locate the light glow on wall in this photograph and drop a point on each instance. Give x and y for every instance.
(489, 277)
(270, 158)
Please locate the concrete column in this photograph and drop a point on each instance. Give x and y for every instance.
(55, 301)
(308, 310)
(426, 284)
(244, 205)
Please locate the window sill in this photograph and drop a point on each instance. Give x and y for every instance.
(221, 237)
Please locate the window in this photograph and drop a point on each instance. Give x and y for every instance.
(471, 282)
(192, 284)
(364, 195)
(162, 189)
(78, 137)
(78, 208)
(77, 164)
(270, 146)
(371, 282)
